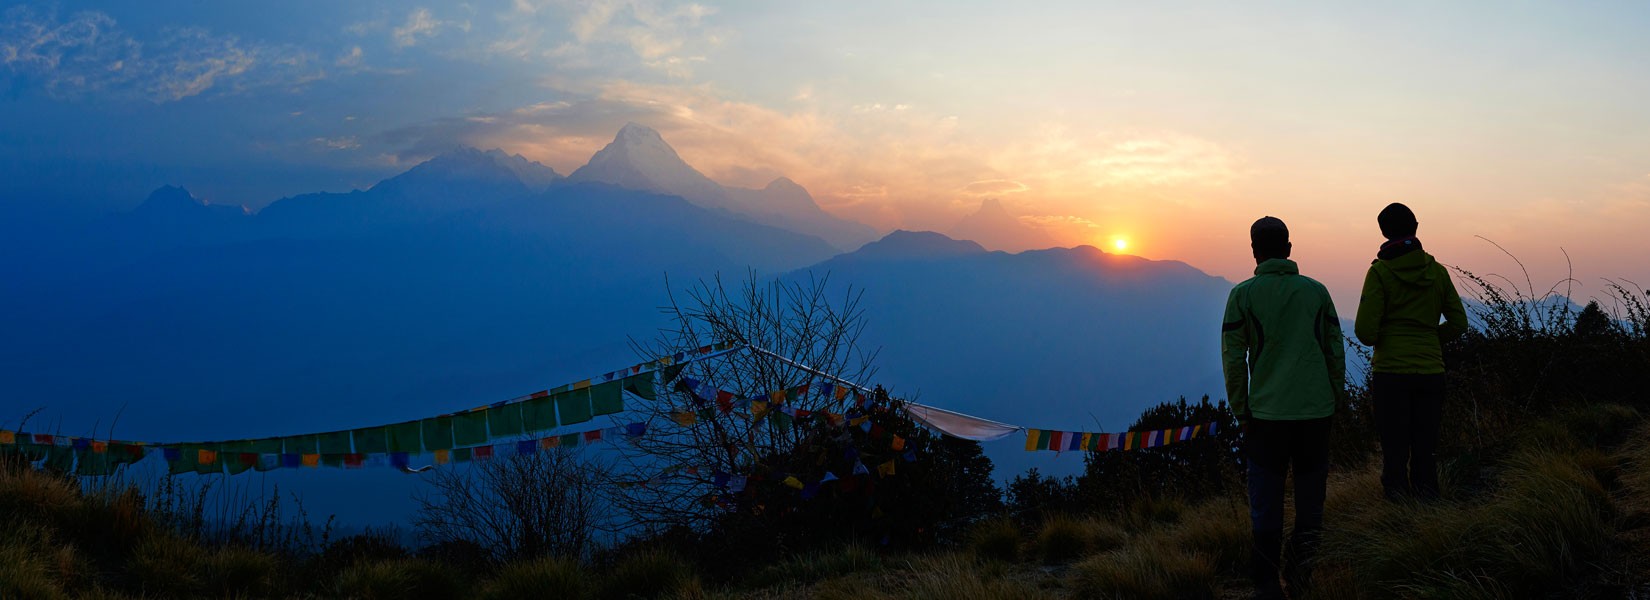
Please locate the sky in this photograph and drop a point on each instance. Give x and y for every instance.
(1171, 128)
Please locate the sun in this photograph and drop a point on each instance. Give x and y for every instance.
(1120, 244)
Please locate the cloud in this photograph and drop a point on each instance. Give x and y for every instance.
(88, 53)
(993, 187)
(419, 24)
(663, 37)
(1166, 159)
(337, 143)
(352, 58)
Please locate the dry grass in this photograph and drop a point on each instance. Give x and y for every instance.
(531, 578)
(1145, 571)
(1063, 539)
(996, 539)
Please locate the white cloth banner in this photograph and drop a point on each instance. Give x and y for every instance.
(956, 424)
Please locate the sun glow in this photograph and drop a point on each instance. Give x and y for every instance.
(1120, 244)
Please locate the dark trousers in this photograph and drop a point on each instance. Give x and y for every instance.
(1408, 408)
(1271, 448)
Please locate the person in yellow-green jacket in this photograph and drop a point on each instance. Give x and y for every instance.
(1405, 293)
(1285, 367)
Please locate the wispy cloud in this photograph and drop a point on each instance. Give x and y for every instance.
(993, 187)
(89, 53)
(661, 36)
(419, 24)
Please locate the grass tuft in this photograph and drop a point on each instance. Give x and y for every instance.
(996, 539)
(534, 578)
(1218, 530)
(1062, 539)
(167, 566)
(239, 572)
(811, 568)
(1145, 571)
(649, 574)
(956, 577)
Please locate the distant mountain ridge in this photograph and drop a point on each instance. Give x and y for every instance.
(639, 158)
(993, 227)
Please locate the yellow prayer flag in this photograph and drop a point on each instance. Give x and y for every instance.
(312, 460)
(777, 396)
(1031, 439)
(8, 437)
(100, 447)
(549, 442)
(759, 408)
(841, 392)
(899, 443)
(857, 421)
(886, 468)
(686, 418)
(206, 457)
(1087, 438)
(581, 385)
(793, 482)
(442, 457)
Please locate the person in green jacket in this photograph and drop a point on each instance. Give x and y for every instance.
(1285, 367)
(1405, 293)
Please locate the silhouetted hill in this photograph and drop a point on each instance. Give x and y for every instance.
(1071, 338)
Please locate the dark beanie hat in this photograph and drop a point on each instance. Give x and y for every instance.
(1397, 221)
(1269, 237)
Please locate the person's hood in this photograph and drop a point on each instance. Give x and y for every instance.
(1277, 266)
(1412, 268)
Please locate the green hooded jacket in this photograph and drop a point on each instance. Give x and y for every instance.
(1281, 346)
(1399, 309)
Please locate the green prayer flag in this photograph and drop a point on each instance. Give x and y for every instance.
(29, 451)
(506, 420)
(470, 429)
(641, 385)
(406, 437)
(438, 433)
(300, 444)
(570, 440)
(607, 398)
(332, 460)
(539, 414)
(335, 442)
(574, 406)
(1043, 440)
(781, 421)
(92, 464)
(371, 440)
(60, 459)
(461, 455)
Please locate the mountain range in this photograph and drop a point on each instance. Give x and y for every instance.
(476, 276)
(993, 227)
